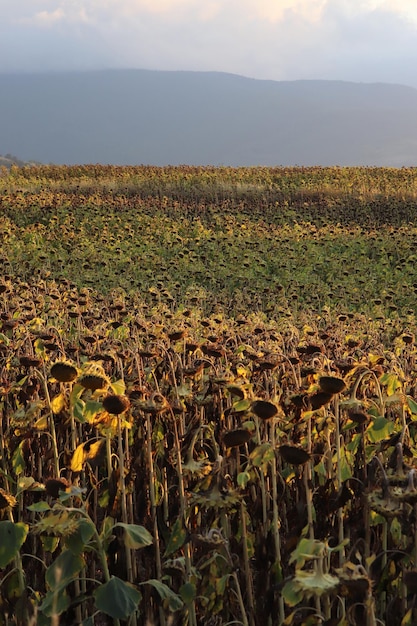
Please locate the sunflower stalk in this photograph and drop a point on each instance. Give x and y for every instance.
(51, 423)
(276, 524)
(187, 552)
(341, 535)
(122, 487)
(152, 495)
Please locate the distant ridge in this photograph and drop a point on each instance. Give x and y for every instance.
(9, 159)
(205, 118)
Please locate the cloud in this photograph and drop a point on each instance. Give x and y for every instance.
(364, 40)
(70, 15)
(49, 17)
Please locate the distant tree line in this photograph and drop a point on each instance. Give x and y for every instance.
(9, 159)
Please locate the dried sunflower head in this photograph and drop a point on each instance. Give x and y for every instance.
(198, 468)
(94, 378)
(215, 498)
(54, 485)
(406, 493)
(388, 506)
(331, 384)
(293, 454)
(264, 409)
(212, 539)
(314, 582)
(93, 381)
(354, 579)
(116, 404)
(6, 500)
(157, 403)
(64, 371)
(175, 566)
(58, 522)
(410, 580)
(235, 438)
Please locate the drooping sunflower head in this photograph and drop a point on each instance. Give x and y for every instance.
(7, 501)
(64, 371)
(116, 404)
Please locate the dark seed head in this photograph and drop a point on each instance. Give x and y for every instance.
(410, 579)
(331, 384)
(93, 382)
(235, 438)
(64, 372)
(54, 485)
(319, 399)
(116, 404)
(358, 416)
(6, 500)
(293, 454)
(29, 361)
(263, 409)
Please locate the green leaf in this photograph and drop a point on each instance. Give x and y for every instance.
(396, 531)
(241, 406)
(262, 455)
(177, 537)
(119, 387)
(242, 479)
(117, 598)
(49, 543)
(291, 594)
(24, 482)
(18, 461)
(4, 339)
(76, 393)
(135, 536)
(276, 571)
(188, 593)
(12, 537)
(166, 594)
(39, 346)
(392, 383)
(78, 410)
(412, 405)
(55, 602)
(381, 428)
(306, 549)
(77, 541)
(107, 529)
(221, 584)
(39, 507)
(92, 408)
(63, 569)
(345, 468)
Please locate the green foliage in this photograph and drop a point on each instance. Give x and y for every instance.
(213, 300)
(117, 598)
(12, 537)
(135, 536)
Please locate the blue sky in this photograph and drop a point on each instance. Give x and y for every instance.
(358, 40)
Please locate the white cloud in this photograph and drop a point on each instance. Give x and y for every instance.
(69, 15)
(46, 18)
(46, 14)
(276, 39)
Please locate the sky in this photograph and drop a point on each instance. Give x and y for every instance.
(351, 40)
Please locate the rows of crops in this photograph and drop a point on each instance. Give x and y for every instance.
(208, 396)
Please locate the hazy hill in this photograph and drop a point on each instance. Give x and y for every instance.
(8, 160)
(150, 117)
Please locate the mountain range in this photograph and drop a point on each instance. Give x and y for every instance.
(132, 117)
